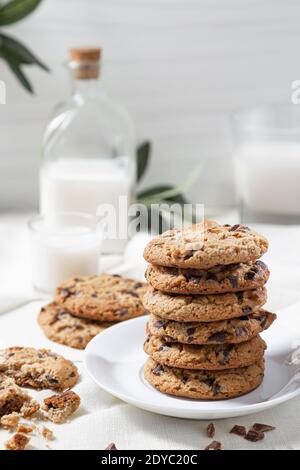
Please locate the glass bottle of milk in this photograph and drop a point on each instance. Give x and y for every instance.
(88, 161)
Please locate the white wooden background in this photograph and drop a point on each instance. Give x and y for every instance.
(180, 67)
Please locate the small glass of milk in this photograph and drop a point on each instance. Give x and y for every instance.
(267, 163)
(64, 244)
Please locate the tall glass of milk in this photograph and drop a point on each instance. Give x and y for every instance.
(88, 162)
(267, 163)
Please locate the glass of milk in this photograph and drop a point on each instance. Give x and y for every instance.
(267, 163)
(63, 245)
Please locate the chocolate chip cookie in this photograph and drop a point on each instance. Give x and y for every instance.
(205, 245)
(217, 280)
(38, 368)
(207, 357)
(102, 298)
(204, 385)
(62, 327)
(14, 401)
(204, 308)
(234, 331)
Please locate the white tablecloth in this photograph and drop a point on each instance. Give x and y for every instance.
(102, 418)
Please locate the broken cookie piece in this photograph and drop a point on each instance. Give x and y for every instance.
(14, 401)
(19, 441)
(60, 407)
(10, 421)
(38, 368)
(47, 434)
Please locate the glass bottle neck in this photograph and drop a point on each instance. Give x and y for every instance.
(85, 80)
(86, 88)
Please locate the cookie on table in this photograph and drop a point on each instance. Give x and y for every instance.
(236, 330)
(205, 245)
(217, 280)
(102, 298)
(207, 357)
(204, 385)
(63, 328)
(204, 308)
(38, 368)
(60, 407)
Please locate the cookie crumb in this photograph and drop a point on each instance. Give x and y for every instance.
(61, 406)
(25, 429)
(254, 436)
(214, 445)
(210, 430)
(259, 427)
(238, 430)
(10, 421)
(47, 434)
(111, 446)
(19, 441)
(29, 409)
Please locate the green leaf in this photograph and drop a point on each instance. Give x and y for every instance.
(16, 10)
(12, 48)
(143, 156)
(166, 192)
(20, 75)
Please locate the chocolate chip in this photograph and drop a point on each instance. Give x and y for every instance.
(246, 310)
(214, 445)
(159, 324)
(240, 297)
(219, 337)
(184, 379)
(263, 321)
(233, 281)
(162, 347)
(250, 275)
(51, 380)
(239, 331)
(261, 264)
(190, 339)
(209, 382)
(216, 388)
(226, 354)
(158, 369)
(235, 227)
(210, 430)
(133, 293)
(137, 285)
(116, 275)
(259, 427)
(194, 279)
(169, 339)
(226, 225)
(64, 293)
(122, 312)
(190, 331)
(254, 436)
(111, 446)
(238, 430)
(94, 295)
(211, 276)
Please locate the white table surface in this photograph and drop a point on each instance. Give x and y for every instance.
(102, 418)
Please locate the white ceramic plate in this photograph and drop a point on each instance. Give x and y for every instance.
(114, 359)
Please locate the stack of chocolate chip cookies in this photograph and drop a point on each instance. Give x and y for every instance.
(86, 305)
(206, 311)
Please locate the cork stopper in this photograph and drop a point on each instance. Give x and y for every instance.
(85, 62)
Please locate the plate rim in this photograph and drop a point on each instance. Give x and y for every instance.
(167, 410)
